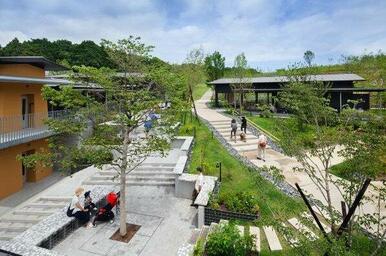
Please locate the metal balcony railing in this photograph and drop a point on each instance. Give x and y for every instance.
(19, 129)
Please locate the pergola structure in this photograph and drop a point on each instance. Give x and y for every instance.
(340, 90)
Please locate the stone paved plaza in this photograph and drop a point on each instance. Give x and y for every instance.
(166, 223)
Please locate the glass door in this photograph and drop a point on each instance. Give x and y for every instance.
(24, 111)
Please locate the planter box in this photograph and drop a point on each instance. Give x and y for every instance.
(214, 215)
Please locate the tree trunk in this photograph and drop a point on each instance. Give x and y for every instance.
(241, 102)
(122, 200)
(329, 201)
(194, 104)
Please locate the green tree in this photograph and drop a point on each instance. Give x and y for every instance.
(309, 56)
(241, 78)
(193, 70)
(214, 66)
(131, 100)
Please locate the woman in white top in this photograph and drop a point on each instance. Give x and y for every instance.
(198, 185)
(262, 144)
(78, 211)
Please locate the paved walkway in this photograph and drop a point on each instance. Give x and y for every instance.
(283, 162)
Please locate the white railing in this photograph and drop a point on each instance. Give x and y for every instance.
(23, 128)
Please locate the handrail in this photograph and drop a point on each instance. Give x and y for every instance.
(21, 127)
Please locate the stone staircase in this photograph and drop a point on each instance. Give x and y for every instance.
(224, 128)
(17, 221)
(274, 240)
(147, 174)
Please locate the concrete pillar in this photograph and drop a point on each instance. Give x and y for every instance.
(201, 216)
(340, 101)
(256, 97)
(216, 98)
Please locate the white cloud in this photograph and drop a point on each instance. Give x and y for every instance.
(268, 31)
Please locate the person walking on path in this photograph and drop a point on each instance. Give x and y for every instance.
(244, 125)
(262, 144)
(233, 128)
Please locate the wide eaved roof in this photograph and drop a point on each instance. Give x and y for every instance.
(33, 80)
(286, 79)
(37, 61)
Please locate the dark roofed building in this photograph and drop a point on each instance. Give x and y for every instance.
(341, 89)
(37, 61)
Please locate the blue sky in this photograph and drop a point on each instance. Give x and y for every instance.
(271, 33)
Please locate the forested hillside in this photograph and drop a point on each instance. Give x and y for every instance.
(62, 51)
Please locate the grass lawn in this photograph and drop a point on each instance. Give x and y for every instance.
(272, 124)
(199, 90)
(343, 170)
(237, 177)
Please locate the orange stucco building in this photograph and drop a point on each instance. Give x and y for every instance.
(22, 114)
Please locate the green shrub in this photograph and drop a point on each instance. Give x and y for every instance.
(265, 110)
(227, 241)
(199, 248)
(243, 202)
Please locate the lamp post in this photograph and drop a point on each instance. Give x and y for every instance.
(218, 165)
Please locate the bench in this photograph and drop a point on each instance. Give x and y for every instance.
(51, 230)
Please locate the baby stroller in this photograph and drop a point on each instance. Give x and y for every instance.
(105, 213)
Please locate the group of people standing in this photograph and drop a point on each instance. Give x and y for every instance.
(262, 140)
(87, 213)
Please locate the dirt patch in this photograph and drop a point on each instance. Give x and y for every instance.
(131, 230)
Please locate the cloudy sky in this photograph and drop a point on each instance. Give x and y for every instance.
(272, 33)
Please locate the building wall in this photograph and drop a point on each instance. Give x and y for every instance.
(11, 169)
(21, 70)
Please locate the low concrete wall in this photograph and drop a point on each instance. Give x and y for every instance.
(185, 185)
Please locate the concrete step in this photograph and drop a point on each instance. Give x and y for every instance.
(255, 231)
(273, 240)
(154, 173)
(129, 183)
(308, 233)
(248, 142)
(223, 222)
(157, 164)
(30, 212)
(203, 233)
(135, 178)
(309, 217)
(245, 148)
(55, 199)
(13, 227)
(23, 219)
(240, 229)
(221, 121)
(212, 227)
(150, 168)
(8, 235)
(292, 241)
(194, 237)
(45, 205)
